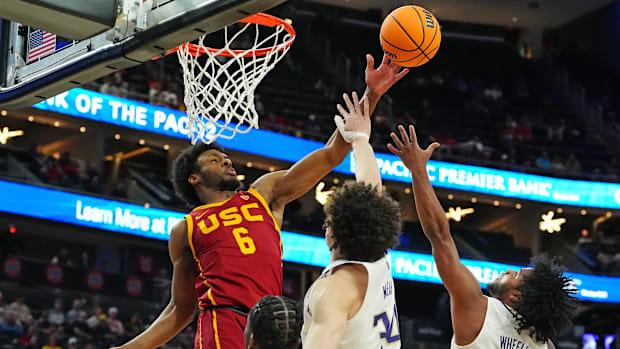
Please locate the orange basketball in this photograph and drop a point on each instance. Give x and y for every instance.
(410, 36)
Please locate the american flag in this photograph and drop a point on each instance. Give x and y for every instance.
(40, 44)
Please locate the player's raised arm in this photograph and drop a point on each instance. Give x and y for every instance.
(467, 301)
(354, 126)
(180, 310)
(380, 80)
(282, 187)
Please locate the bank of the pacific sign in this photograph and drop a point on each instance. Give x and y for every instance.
(149, 118)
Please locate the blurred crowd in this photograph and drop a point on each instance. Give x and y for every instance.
(84, 324)
(64, 170)
(601, 247)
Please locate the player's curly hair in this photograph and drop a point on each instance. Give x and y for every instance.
(364, 222)
(276, 322)
(547, 305)
(184, 165)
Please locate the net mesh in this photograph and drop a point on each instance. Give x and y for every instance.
(220, 83)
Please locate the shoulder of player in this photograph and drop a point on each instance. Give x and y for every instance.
(350, 272)
(178, 235)
(179, 228)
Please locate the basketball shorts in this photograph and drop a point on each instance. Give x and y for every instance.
(219, 328)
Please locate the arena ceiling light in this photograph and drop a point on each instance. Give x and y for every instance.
(5, 135)
(457, 214)
(549, 224)
(321, 195)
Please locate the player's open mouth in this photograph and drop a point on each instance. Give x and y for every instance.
(231, 171)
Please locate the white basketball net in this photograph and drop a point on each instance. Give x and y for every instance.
(220, 84)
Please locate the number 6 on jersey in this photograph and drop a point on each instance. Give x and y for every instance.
(246, 244)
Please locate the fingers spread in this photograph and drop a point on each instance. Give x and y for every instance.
(403, 134)
(414, 137)
(356, 102)
(397, 141)
(385, 61)
(347, 101)
(370, 62)
(401, 74)
(342, 112)
(393, 149)
(431, 148)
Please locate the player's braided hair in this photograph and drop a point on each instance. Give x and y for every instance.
(546, 306)
(184, 165)
(364, 222)
(276, 322)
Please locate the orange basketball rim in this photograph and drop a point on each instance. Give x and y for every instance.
(263, 19)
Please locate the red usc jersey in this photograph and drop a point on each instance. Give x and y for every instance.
(238, 251)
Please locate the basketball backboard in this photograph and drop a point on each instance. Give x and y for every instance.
(144, 29)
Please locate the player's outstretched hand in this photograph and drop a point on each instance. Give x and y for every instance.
(407, 149)
(385, 76)
(353, 122)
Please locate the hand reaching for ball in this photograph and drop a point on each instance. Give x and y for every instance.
(387, 74)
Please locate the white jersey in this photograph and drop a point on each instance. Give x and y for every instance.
(375, 325)
(499, 331)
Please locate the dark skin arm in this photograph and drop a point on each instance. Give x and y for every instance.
(280, 188)
(180, 310)
(468, 304)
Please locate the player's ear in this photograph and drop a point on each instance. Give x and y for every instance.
(515, 296)
(193, 179)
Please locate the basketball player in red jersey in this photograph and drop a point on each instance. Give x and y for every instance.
(227, 254)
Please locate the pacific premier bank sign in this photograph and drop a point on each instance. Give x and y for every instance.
(122, 217)
(154, 119)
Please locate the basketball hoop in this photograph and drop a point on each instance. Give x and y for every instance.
(220, 82)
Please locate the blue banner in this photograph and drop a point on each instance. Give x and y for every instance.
(149, 118)
(154, 223)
